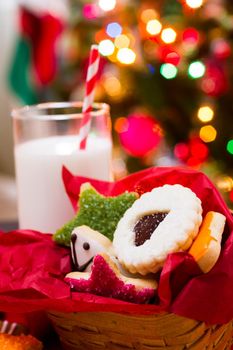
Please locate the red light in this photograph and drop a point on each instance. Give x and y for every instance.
(199, 150)
(190, 36)
(168, 55)
(90, 11)
(193, 162)
(181, 151)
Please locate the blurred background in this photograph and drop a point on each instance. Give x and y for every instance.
(166, 70)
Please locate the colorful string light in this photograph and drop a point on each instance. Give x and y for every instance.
(208, 133)
(112, 86)
(90, 11)
(113, 29)
(122, 41)
(107, 5)
(126, 56)
(106, 47)
(168, 71)
(190, 36)
(196, 70)
(148, 14)
(205, 114)
(154, 27)
(230, 146)
(168, 35)
(194, 4)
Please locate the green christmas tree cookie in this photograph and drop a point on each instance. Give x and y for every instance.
(98, 212)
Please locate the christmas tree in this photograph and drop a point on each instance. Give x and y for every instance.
(166, 70)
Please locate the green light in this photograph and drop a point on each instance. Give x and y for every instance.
(168, 71)
(230, 146)
(196, 69)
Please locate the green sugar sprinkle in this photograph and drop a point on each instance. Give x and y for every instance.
(98, 212)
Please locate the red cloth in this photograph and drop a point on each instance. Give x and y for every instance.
(32, 266)
(42, 33)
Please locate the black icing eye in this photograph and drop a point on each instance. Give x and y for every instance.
(86, 246)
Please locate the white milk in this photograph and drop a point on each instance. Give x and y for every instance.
(42, 201)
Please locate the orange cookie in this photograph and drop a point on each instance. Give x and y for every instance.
(19, 342)
(206, 247)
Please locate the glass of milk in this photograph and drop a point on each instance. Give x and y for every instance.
(46, 138)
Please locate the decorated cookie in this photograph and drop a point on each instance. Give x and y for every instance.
(105, 279)
(206, 247)
(163, 221)
(85, 244)
(19, 342)
(98, 212)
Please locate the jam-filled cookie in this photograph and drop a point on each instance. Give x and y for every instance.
(163, 221)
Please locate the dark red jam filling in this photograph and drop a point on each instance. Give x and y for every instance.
(146, 226)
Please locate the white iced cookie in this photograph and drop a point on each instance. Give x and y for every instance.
(160, 222)
(85, 244)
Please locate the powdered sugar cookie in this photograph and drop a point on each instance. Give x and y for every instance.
(163, 221)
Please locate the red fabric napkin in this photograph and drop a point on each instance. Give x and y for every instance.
(32, 266)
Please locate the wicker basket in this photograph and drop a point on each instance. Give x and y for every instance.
(99, 330)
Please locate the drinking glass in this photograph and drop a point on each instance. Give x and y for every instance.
(46, 137)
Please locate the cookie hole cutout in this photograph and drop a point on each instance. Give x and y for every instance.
(146, 225)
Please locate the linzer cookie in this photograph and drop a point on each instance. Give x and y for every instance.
(160, 222)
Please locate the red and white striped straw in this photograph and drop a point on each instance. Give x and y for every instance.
(92, 71)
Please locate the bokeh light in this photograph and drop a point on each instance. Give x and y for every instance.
(90, 11)
(126, 56)
(112, 86)
(121, 125)
(122, 41)
(194, 4)
(196, 69)
(148, 14)
(168, 55)
(190, 36)
(168, 35)
(168, 71)
(153, 27)
(138, 127)
(208, 133)
(181, 151)
(106, 47)
(205, 114)
(113, 29)
(225, 183)
(230, 146)
(107, 5)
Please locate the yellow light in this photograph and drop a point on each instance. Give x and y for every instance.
(225, 183)
(153, 27)
(126, 56)
(205, 114)
(106, 47)
(194, 4)
(168, 35)
(122, 41)
(112, 86)
(107, 5)
(148, 14)
(208, 133)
